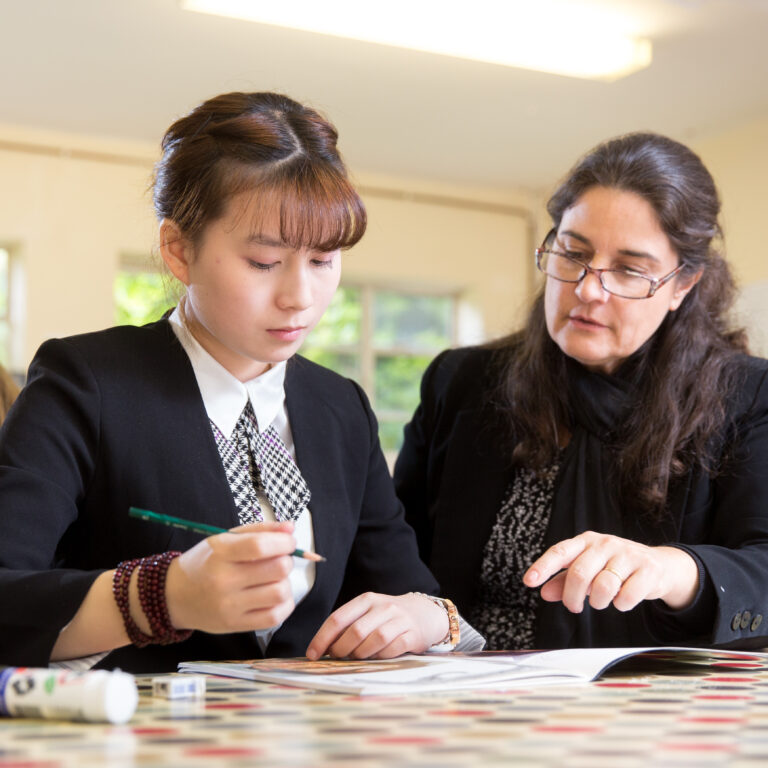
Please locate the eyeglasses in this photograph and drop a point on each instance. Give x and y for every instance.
(620, 282)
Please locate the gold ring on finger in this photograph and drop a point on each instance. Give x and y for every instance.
(615, 573)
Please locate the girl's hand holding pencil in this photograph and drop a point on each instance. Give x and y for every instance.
(234, 580)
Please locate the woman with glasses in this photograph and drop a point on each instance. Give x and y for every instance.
(598, 478)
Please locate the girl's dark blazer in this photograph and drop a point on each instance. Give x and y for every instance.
(452, 474)
(115, 419)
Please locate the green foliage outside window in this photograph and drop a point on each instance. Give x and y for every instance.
(397, 382)
(341, 325)
(141, 297)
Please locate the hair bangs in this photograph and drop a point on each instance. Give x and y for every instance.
(319, 209)
(316, 210)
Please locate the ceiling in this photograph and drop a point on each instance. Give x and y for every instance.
(126, 69)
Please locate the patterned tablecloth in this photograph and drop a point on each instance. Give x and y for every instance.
(644, 713)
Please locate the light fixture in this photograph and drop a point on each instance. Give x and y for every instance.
(564, 37)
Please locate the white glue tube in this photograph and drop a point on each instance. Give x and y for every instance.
(96, 696)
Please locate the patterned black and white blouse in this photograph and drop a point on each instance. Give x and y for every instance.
(505, 611)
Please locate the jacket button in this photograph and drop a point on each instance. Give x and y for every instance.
(736, 622)
(746, 617)
(756, 621)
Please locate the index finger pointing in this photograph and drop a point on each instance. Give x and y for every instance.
(557, 557)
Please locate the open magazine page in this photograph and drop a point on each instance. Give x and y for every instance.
(432, 672)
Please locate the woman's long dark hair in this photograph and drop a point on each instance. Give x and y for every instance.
(688, 364)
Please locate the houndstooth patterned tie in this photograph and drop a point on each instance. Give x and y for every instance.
(259, 461)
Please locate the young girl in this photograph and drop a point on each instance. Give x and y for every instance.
(207, 415)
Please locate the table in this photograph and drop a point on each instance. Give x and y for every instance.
(643, 713)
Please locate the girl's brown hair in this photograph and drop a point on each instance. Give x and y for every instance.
(264, 143)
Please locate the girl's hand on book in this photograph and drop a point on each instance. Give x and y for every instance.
(607, 569)
(374, 626)
(233, 582)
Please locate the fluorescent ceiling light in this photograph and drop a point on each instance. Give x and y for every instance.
(564, 37)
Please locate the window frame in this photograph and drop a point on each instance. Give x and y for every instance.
(369, 353)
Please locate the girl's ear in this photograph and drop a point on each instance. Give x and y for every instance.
(176, 250)
(681, 291)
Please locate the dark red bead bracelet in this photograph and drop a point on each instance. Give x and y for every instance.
(152, 574)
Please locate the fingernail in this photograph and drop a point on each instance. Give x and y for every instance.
(531, 575)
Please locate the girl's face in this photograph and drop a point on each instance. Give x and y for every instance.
(610, 229)
(251, 299)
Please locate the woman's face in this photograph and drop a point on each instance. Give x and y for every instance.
(251, 299)
(608, 229)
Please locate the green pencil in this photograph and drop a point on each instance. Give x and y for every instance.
(208, 530)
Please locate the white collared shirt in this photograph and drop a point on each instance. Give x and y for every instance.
(224, 397)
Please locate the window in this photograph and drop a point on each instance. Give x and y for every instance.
(141, 294)
(5, 307)
(384, 339)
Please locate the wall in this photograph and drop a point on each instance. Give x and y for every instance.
(67, 213)
(738, 160)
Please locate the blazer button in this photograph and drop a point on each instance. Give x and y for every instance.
(736, 622)
(746, 617)
(756, 621)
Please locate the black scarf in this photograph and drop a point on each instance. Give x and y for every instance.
(586, 498)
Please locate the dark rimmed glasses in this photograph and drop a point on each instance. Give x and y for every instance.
(624, 283)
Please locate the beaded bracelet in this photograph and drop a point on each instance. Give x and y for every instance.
(152, 573)
(120, 583)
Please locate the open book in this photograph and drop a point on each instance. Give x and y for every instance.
(451, 671)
